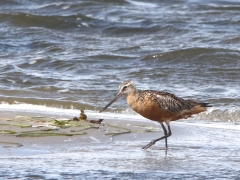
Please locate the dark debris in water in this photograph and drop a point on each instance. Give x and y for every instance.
(10, 144)
(83, 117)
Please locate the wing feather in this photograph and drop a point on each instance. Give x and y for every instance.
(170, 102)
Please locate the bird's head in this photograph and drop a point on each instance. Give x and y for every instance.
(125, 88)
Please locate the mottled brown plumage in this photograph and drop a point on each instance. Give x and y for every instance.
(158, 106)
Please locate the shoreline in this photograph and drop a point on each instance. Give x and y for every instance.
(33, 131)
(44, 137)
(194, 150)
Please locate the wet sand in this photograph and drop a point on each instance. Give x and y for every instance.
(107, 132)
(197, 150)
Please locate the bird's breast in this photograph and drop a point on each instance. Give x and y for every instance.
(146, 107)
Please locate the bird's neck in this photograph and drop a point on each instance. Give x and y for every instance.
(133, 92)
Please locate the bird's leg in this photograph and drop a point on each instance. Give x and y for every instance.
(169, 131)
(166, 135)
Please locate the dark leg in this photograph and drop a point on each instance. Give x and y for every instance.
(166, 135)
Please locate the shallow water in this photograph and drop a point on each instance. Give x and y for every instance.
(194, 153)
(60, 56)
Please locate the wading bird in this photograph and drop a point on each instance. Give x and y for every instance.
(158, 106)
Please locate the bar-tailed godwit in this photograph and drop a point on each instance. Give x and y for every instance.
(158, 106)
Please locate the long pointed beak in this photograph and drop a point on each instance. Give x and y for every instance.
(116, 97)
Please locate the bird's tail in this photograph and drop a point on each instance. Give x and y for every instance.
(193, 103)
(195, 109)
(198, 107)
(204, 104)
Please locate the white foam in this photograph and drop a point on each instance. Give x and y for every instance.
(34, 61)
(216, 125)
(65, 7)
(228, 117)
(36, 108)
(144, 4)
(68, 112)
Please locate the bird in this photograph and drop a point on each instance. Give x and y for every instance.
(82, 116)
(159, 106)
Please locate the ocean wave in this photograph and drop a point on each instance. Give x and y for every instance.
(144, 27)
(221, 115)
(19, 19)
(230, 115)
(194, 55)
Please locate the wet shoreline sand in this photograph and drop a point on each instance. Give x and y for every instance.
(197, 150)
(85, 133)
(15, 124)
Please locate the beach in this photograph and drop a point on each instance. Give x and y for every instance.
(60, 57)
(196, 151)
(16, 125)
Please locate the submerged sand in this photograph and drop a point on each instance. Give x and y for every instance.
(112, 149)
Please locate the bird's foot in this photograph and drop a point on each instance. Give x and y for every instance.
(148, 145)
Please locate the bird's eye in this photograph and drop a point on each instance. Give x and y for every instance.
(125, 87)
